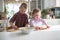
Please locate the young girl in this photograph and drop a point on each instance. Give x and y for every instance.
(37, 21)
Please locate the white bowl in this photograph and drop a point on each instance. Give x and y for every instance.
(26, 30)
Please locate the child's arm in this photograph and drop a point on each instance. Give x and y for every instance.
(47, 26)
(45, 23)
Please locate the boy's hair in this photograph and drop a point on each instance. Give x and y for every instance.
(23, 5)
(35, 11)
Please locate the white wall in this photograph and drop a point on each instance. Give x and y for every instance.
(33, 5)
(57, 3)
(49, 3)
(1, 5)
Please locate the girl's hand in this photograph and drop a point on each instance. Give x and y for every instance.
(37, 28)
(48, 26)
(40, 28)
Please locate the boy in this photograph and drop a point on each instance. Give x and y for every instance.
(20, 18)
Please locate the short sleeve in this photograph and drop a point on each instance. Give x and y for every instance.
(26, 19)
(13, 18)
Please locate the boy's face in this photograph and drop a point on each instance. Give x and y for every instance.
(22, 10)
(37, 15)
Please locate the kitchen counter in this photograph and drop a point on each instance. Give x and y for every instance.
(53, 33)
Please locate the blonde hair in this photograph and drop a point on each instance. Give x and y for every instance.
(23, 5)
(35, 11)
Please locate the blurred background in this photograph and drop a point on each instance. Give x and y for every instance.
(9, 7)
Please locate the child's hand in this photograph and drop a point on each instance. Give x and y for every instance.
(40, 28)
(14, 27)
(37, 28)
(48, 26)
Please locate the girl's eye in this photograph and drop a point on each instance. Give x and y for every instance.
(36, 15)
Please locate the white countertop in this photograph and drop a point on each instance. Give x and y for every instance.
(49, 34)
(53, 28)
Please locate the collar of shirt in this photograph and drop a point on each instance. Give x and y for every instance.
(37, 20)
(20, 13)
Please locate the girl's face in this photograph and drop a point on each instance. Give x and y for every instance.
(37, 15)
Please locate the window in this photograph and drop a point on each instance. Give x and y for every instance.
(12, 9)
